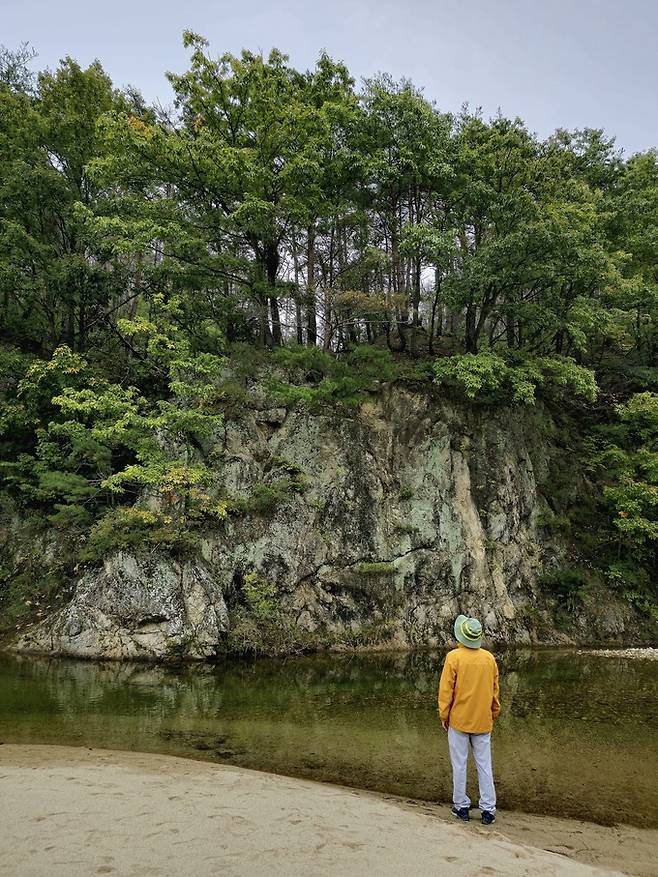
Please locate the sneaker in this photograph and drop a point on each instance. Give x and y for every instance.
(487, 817)
(461, 813)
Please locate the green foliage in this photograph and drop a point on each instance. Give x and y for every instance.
(260, 596)
(135, 529)
(404, 528)
(233, 398)
(274, 637)
(286, 480)
(15, 69)
(260, 627)
(555, 524)
(364, 636)
(94, 442)
(54, 280)
(644, 601)
(636, 504)
(309, 361)
(623, 455)
(266, 172)
(36, 566)
(567, 587)
(633, 582)
(488, 377)
(374, 569)
(414, 372)
(283, 464)
(317, 379)
(563, 582)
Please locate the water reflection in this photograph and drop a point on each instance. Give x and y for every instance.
(577, 736)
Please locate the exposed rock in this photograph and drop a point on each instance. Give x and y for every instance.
(415, 510)
(134, 608)
(638, 654)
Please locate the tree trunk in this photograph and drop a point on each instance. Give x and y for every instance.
(415, 308)
(435, 307)
(510, 331)
(470, 334)
(70, 325)
(272, 269)
(328, 287)
(82, 322)
(137, 282)
(298, 304)
(311, 317)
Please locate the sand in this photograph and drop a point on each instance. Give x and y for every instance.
(69, 812)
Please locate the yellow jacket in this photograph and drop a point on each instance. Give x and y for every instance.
(468, 691)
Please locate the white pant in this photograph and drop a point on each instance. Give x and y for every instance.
(458, 742)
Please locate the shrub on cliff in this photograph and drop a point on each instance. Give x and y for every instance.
(316, 379)
(489, 377)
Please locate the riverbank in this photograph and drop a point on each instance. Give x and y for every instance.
(638, 654)
(74, 811)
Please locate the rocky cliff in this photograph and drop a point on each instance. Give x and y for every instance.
(414, 509)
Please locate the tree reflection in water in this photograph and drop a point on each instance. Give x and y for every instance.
(577, 734)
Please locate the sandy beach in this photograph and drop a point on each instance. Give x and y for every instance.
(68, 811)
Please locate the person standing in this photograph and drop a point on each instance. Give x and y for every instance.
(469, 703)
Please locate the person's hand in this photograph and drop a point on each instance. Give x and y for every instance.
(444, 725)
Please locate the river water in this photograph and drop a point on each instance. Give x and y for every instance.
(578, 735)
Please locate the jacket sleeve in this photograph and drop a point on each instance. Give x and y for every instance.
(447, 688)
(495, 703)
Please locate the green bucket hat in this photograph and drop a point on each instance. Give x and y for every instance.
(468, 632)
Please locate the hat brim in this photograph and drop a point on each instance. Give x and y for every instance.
(469, 643)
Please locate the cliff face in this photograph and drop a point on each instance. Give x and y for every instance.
(415, 510)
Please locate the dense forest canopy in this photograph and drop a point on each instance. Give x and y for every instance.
(297, 221)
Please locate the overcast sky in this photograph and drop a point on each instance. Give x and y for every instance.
(555, 63)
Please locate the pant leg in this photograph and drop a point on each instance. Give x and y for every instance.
(458, 744)
(481, 744)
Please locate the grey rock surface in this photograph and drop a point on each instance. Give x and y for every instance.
(136, 607)
(415, 510)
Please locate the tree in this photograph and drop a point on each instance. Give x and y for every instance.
(403, 148)
(15, 72)
(228, 179)
(48, 267)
